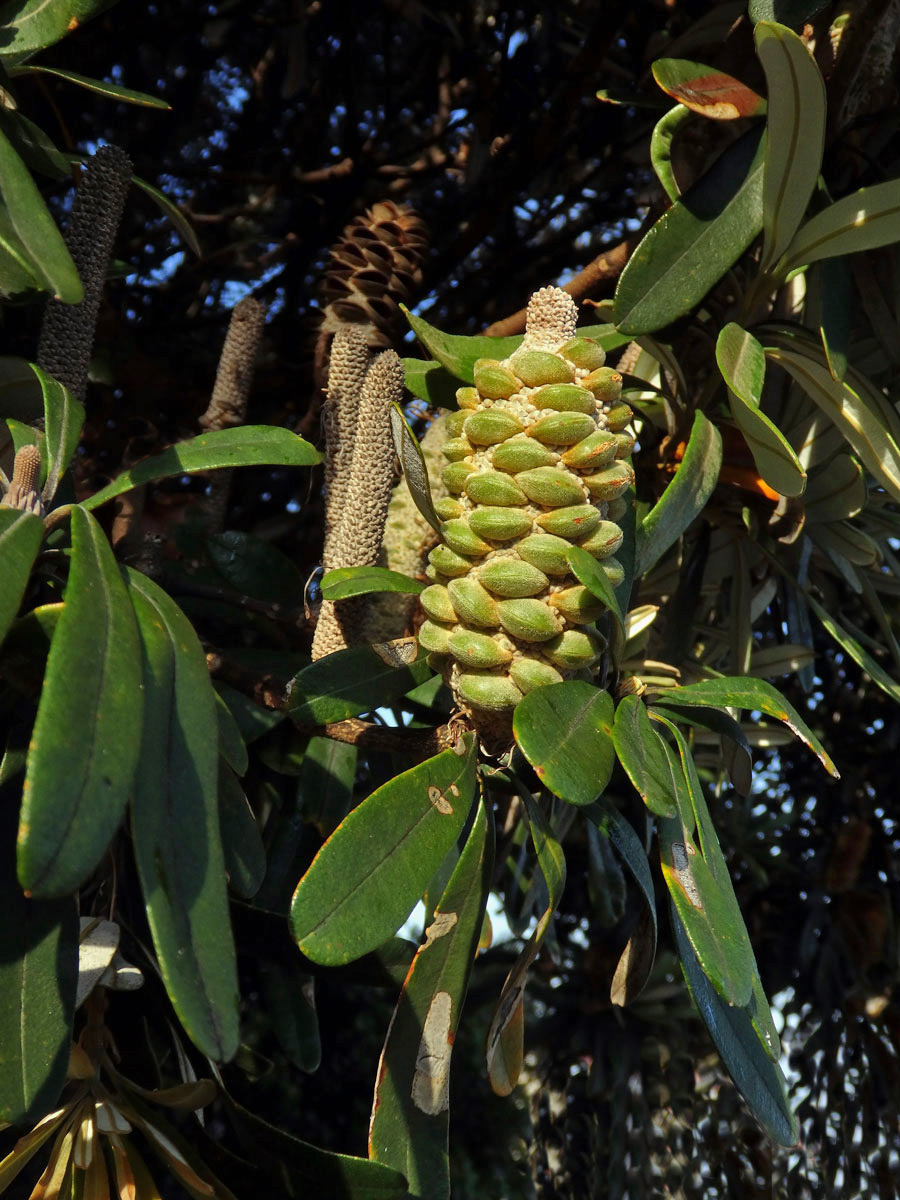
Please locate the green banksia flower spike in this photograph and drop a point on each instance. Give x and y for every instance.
(532, 467)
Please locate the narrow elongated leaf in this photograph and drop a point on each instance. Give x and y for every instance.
(231, 744)
(848, 408)
(290, 998)
(172, 211)
(504, 1048)
(694, 243)
(636, 961)
(35, 228)
(27, 1146)
(837, 493)
(365, 880)
(742, 362)
(864, 220)
(856, 650)
(736, 749)
(759, 1079)
(685, 497)
(755, 695)
(410, 1111)
(415, 470)
(248, 446)
(63, 422)
(458, 354)
(796, 128)
(359, 581)
(38, 976)
(709, 92)
(37, 151)
(588, 571)
(20, 540)
(564, 730)
(175, 824)
(86, 737)
(112, 91)
(664, 132)
(832, 295)
(358, 680)
(29, 25)
(242, 846)
(641, 752)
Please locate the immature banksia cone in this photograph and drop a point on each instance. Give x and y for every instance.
(535, 465)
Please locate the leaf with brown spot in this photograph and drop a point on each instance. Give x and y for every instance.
(706, 91)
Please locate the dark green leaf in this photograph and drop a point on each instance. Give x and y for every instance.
(755, 695)
(358, 680)
(364, 882)
(796, 129)
(415, 469)
(856, 650)
(175, 824)
(832, 295)
(588, 571)
(864, 220)
(254, 568)
(685, 497)
(759, 1079)
(86, 736)
(431, 382)
(37, 234)
(325, 785)
(20, 540)
(289, 995)
(112, 91)
(34, 147)
(20, 393)
(245, 855)
(742, 362)
(38, 975)
(253, 721)
(410, 1113)
(664, 132)
(231, 744)
(28, 25)
(694, 243)
(63, 421)
(248, 446)
(172, 211)
(641, 752)
(359, 581)
(707, 91)
(564, 730)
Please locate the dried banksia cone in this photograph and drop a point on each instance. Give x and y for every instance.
(375, 267)
(23, 488)
(535, 459)
(67, 333)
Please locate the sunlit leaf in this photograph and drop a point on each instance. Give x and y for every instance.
(864, 220)
(796, 129)
(63, 422)
(365, 880)
(357, 680)
(412, 461)
(589, 572)
(564, 730)
(430, 381)
(359, 581)
(641, 752)
(112, 91)
(709, 92)
(84, 749)
(27, 25)
(664, 132)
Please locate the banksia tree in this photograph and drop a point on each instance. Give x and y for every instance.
(537, 463)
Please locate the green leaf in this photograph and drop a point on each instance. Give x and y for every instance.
(253, 721)
(360, 581)
(789, 12)
(796, 134)
(856, 650)
(755, 695)
(694, 243)
(831, 287)
(289, 996)
(636, 960)
(564, 730)
(707, 91)
(589, 572)
(84, 748)
(63, 422)
(29, 25)
(231, 743)
(458, 354)
(865, 220)
(663, 135)
(300, 1171)
(504, 1046)
(642, 753)
(415, 469)
(255, 568)
(20, 393)
(242, 846)
(38, 976)
(175, 824)
(430, 381)
(850, 409)
(172, 211)
(366, 879)
(31, 223)
(410, 1112)
(37, 151)
(20, 540)
(248, 446)
(836, 494)
(357, 680)
(685, 497)
(759, 1079)
(112, 91)
(738, 756)
(742, 362)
